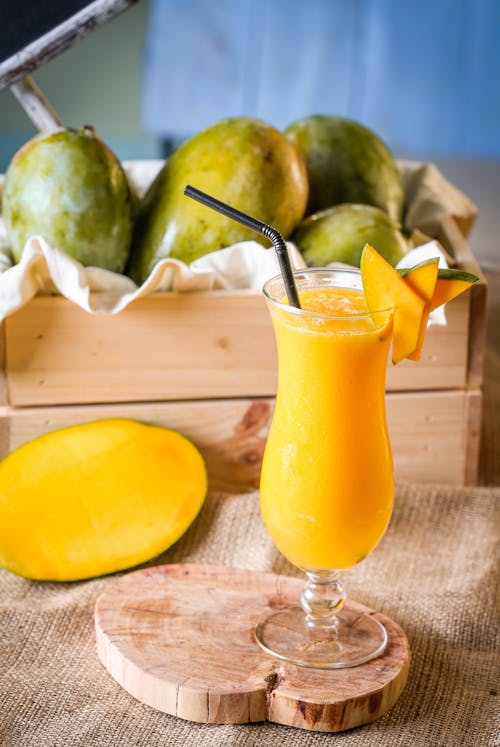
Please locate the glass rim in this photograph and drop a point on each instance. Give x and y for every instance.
(318, 271)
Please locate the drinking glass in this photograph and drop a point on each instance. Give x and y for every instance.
(326, 489)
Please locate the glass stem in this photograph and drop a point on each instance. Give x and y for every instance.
(322, 597)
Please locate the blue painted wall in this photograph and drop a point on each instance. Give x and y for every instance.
(424, 74)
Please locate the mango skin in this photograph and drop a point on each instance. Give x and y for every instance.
(339, 233)
(242, 161)
(69, 188)
(347, 162)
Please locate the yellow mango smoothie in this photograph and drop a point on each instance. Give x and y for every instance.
(326, 486)
(327, 483)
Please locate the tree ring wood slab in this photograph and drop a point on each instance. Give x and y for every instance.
(180, 638)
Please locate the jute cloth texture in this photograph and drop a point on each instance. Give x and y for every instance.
(434, 573)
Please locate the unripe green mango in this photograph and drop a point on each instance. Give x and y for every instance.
(347, 162)
(241, 161)
(68, 187)
(339, 233)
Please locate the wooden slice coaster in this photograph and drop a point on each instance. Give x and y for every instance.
(180, 638)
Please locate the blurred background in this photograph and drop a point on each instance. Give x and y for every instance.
(424, 75)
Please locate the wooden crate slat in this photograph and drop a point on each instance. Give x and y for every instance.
(429, 432)
(181, 346)
(454, 242)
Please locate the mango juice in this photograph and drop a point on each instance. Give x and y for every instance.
(327, 476)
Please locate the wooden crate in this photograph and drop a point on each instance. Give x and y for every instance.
(205, 364)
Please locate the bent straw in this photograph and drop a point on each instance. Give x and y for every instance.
(265, 229)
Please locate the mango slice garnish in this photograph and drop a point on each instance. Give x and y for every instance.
(436, 286)
(450, 283)
(422, 278)
(384, 288)
(412, 293)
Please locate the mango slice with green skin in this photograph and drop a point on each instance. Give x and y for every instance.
(68, 187)
(338, 234)
(422, 278)
(96, 498)
(450, 283)
(347, 162)
(384, 288)
(241, 161)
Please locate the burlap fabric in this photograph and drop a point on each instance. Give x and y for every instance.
(434, 572)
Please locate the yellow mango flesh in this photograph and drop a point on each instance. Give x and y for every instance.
(447, 289)
(422, 279)
(96, 498)
(384, 288)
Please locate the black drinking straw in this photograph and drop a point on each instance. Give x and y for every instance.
(264, 228)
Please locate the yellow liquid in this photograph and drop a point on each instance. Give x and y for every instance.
(327, 476)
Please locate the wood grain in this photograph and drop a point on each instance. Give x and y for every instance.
(174, 346)
(453, 240)
(180, 639)
(3, 368)
(433, 434)
(36, 105)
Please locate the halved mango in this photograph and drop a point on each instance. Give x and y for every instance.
(96, 498)
(422, 279)
(451, 282)
(385, 288)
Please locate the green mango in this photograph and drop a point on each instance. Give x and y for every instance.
(68, 187)
(347, 162)
(339, 233)
(241, 161)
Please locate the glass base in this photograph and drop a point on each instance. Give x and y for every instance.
(354, 639)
